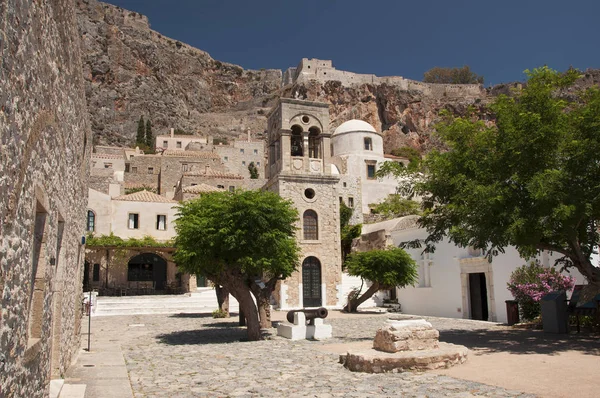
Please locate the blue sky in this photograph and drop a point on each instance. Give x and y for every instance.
(498, 39)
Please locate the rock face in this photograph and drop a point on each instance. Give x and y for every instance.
(405, 117)
(131, 70)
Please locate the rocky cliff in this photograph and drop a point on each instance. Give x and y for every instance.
(132, 70)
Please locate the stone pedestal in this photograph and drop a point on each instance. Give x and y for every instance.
(300, 330)
(410, 335)
(405, 345)
(318, 330)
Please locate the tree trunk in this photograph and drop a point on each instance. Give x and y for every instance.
(264, 311)
(223, 298)
(238, 287)
(263, 301)
(248, 308)
(353, 304)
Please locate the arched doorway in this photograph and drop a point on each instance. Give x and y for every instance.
(148, 267)
(311, 282)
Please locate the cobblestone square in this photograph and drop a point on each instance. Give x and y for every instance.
(187, 355)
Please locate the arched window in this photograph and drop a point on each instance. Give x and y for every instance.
(91, 221)
(314, 143)
(368, 144)
(297, 148)
(311, 225)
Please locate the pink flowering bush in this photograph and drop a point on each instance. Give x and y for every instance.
(529, 283)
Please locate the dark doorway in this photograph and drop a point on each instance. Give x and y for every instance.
(148, 267)
(86, 276)
(311, 282)
(478, 296)
(200, 280)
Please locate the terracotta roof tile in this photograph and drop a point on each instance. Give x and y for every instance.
(145, 196)
(202, 188)
(214, 174)
(192, 154)
(108, 156)
(129, 185)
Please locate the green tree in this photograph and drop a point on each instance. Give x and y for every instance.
(386, 269)
(412, 154)
(462, 75)
(149, 135)
(253, 171)
(245, 241)
(347, 232)
(396, 206)
(530, 181)
(140, 138)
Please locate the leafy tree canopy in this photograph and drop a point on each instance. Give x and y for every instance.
(413, 155)
(530, 181)
(347, 232)
(253, 171)
(243, 240)
(386, 269)
(396, 206)
(462, 75)
(116, 241)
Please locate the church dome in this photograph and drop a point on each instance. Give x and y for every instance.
(354, 125)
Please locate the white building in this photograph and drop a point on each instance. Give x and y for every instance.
(358, 151)
(454, 282)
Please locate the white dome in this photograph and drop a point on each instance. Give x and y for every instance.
(354, 125)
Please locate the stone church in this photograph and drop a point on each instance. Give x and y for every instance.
(317, 170)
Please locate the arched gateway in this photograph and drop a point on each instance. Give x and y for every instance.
(148, 267)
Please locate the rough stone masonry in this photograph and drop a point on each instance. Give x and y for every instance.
(45, 149)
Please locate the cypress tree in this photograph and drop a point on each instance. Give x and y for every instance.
(140, 138)
(149, 136)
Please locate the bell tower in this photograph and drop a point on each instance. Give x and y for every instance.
(299, 169)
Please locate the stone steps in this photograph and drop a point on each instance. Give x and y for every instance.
(201, 301)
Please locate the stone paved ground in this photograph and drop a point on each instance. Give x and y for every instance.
(194, 355)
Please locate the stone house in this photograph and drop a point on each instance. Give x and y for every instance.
(44, 169)
(120, 270)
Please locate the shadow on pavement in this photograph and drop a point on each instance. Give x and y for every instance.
(519, 341)
(216, 335)
(198, 315)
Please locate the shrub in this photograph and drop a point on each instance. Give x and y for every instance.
(529, 283)
(220, 314)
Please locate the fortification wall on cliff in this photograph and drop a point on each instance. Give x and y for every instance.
(323, 71)
(44, 169)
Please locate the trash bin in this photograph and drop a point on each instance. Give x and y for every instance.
(554, 312)
(512, 312)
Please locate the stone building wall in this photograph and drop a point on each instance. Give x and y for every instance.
(349, 192)
(45, 136)
(173, 167)
(323, 71)
(137, 171)
(238, 156)
(327, 248)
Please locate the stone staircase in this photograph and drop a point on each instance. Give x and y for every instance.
(201, 301)
(392, 306)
